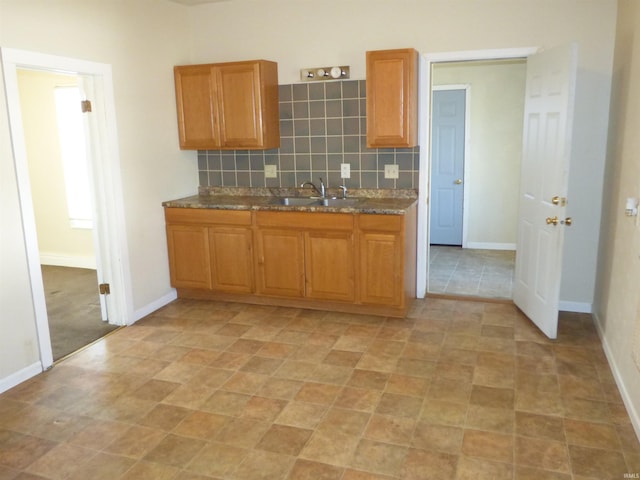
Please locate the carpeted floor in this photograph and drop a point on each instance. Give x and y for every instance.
(73, 307)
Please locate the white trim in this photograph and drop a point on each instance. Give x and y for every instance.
(155, 305)
(75, 261)
(106, 167)
(491, 246)
(20, 376)
(424, 124)
(577, 307)
(634, 415)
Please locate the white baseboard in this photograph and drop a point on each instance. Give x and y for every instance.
(577, 307)
(490, 246)
(68, 260)
(20, 376)
(155, 305)
(634, 415)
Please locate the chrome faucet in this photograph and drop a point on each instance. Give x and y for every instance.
(321, 190)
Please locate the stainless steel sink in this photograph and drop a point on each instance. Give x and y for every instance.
(315, 201)
(296, 201)
(338, 202)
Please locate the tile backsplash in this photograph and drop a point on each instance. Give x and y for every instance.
(322, 125)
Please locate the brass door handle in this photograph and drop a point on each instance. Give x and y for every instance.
(552, 221)
(458, 181)
(567, 221)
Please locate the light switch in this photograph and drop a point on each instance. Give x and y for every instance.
(391, 171)
(270, 171)
(345, 170)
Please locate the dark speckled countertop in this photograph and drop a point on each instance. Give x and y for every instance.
(376, 201)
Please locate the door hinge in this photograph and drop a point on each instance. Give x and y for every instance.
(85, 106)
(104, 289)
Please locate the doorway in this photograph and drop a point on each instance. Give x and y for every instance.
(62, 199)
(112, 260)
(479, 259)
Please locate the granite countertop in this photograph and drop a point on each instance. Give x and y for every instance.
(376, 201)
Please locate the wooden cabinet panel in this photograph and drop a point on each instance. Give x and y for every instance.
(280, 262)
(231, 259)
(228, 106)
(392, 98)
(189, 259)
(381, 277)
(329, 267)
(195, 104)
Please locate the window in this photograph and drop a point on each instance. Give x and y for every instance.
(74, 157)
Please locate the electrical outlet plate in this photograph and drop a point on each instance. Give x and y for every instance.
(391, 171)
(270, 171)
(345, 170)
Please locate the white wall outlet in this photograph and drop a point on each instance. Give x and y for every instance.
(391, 171)
(270, 171)
(345, 170)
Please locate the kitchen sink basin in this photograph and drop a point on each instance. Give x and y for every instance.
(316, 201)
(296, 201)
(338, 202)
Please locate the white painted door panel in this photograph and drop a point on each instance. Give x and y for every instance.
(549, 106)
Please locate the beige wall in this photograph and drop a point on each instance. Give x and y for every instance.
(496, 109)
(336, 32)
(618, 291)
(142, 40)
(59, 244)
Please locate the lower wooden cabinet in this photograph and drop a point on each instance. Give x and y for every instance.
(336, 261)
(280, 262)
(210, 249)
(189, 256)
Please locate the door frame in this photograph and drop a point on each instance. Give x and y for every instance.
(424, 115)
(465, 158)
(107, 190)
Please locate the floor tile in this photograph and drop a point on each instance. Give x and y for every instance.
(224, 391)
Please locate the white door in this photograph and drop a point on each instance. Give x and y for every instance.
(447, 170)
(548, 119)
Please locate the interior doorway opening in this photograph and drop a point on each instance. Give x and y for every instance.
(490, 200)
(112, 258)
(61, 194)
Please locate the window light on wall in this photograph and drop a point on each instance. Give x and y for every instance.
(74, 158)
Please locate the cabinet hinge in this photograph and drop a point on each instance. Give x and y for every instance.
(104, 289)
(85, 106)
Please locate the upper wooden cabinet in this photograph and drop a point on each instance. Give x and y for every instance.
(392, 98)
(228, 106)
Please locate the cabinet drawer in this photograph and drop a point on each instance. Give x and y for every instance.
(205, 216)
(306, 220)
(382, 223)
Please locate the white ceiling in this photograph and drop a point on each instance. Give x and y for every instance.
(197, 2)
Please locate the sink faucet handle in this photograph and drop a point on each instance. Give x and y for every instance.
(322, 191)
(344, 190)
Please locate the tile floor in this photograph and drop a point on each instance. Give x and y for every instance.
(472, 272)
(199, 390)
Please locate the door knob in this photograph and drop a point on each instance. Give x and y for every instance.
(458, 181)
(567, 221)
(562, 201)
(552, 221)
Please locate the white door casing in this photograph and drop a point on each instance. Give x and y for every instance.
(105, 168)
(547, 136)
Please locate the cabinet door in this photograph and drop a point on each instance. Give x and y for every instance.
(231, 259)
(239, 104)
(329, 265)
(392, 94)
(189, 260)
(381, 275)
(280, 259)
(195, 101)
